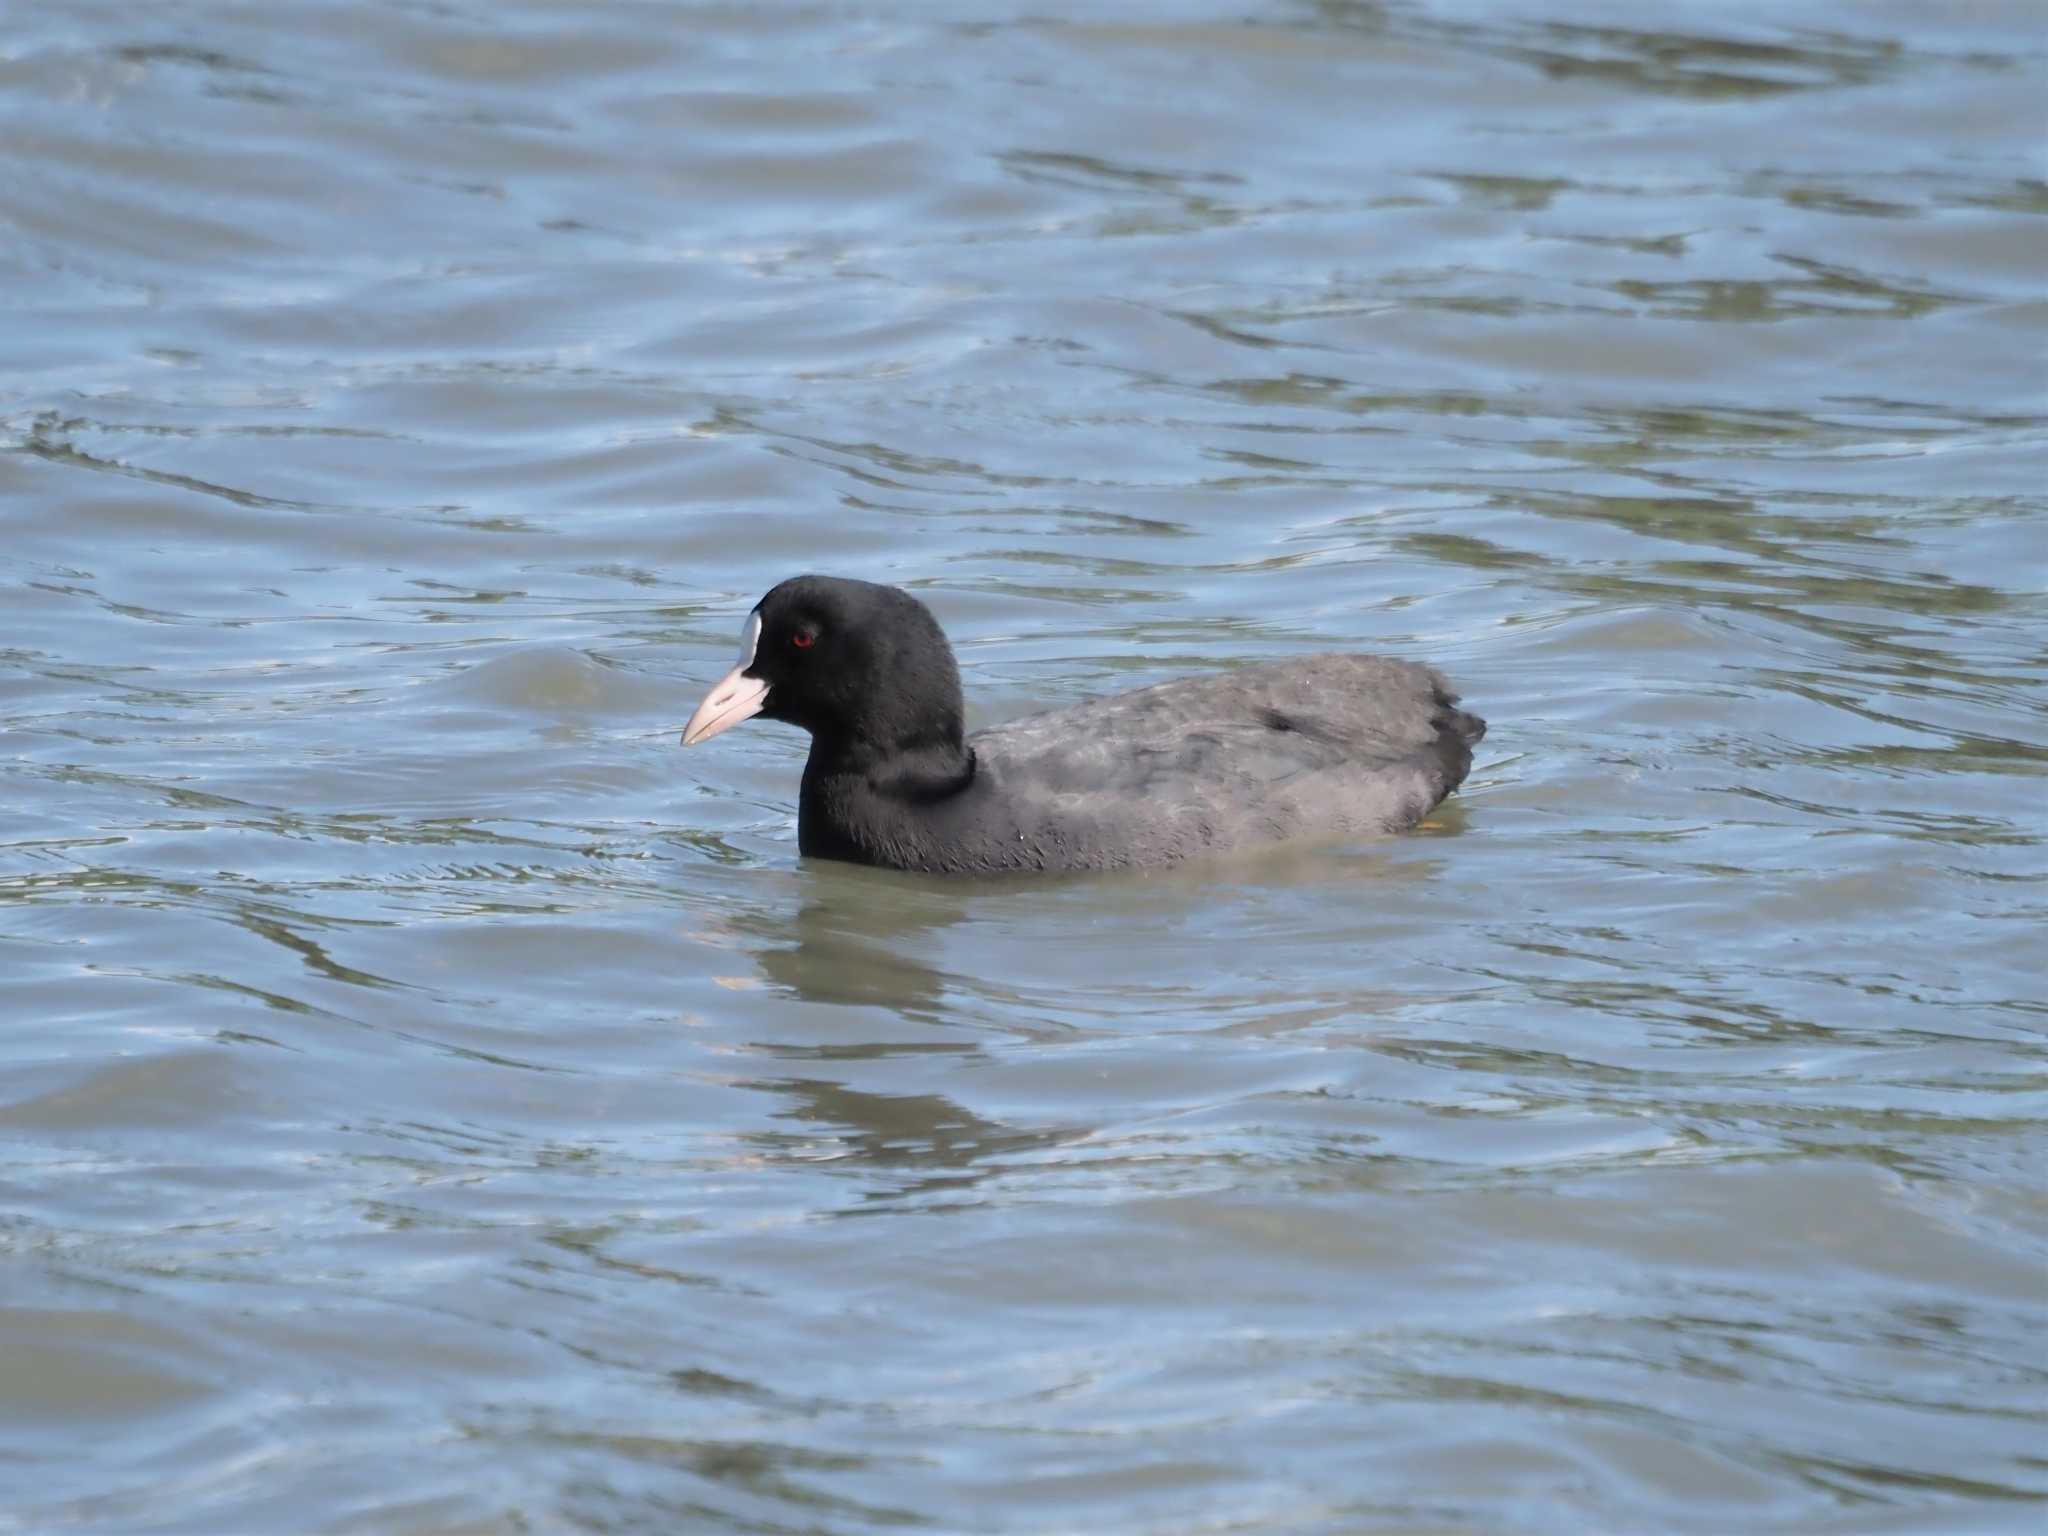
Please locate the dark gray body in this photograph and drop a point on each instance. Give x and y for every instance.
(1328, 746)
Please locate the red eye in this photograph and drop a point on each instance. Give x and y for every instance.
(803, 639)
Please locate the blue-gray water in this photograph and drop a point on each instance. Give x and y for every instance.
(431, 1101)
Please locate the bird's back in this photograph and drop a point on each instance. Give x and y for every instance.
(1331, 745)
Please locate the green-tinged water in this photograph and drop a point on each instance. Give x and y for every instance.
(432, 1101)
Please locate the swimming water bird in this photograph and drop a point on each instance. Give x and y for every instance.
(1324, 746)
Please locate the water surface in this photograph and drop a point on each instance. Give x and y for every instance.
(431, 1101)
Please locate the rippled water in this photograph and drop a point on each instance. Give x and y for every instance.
(431, 1101)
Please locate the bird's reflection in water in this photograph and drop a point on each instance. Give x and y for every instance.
(856, 941)
(851, 941)
(911, 1146)
(859, 936)
(874, 1091)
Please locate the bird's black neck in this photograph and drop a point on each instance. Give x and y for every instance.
(869, 806)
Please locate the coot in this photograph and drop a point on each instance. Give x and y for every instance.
(1328, 746)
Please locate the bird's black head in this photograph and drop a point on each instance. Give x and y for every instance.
(864, 668)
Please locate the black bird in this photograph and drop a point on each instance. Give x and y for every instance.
(1324, 746)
